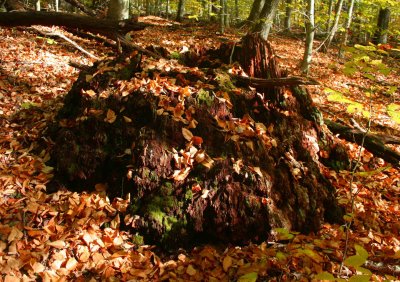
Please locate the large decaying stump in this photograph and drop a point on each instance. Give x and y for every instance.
(202, 160)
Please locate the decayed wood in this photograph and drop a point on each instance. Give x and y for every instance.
(371, 142)
(79, 66)
(282, 81)
(382, 268)
(130, 46)
(102, 26)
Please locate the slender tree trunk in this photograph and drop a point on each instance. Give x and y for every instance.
(181, 10)
(288, 14)
(335, 26)
(167, 9)
(310, 28)
(255, 10)
(56, 4)
(267, 18)
(380, 36)
(236, 10)
(118, 10)
(348, 22)
(226, 13)
(330, 9)
(222, 17)
(37, 5)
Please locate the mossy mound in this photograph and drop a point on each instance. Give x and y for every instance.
(202, 160)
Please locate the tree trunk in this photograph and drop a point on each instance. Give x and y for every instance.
(102, 26)
(267, 17)
(329, 22)
(380, 36)
(348, 22)
(56, 5)
(310, 29)
(222, 16)
(226, 14)
(236, 11)
(255, 10)
(335, 26)
(221, 165)
(181, 10)
(288, 14)
(37, 5)
(118, 10)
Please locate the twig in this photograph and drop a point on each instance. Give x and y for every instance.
(73, 43)
(126, 44)
(354, 195)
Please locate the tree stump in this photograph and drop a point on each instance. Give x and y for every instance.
(204, 161)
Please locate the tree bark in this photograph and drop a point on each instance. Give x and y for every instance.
(288, 14)
(380, 36)
(335, 26)
(255, 10)
(310, 30)
(330, 9)
(222, 16)
(118, 10)
(181, 10)
(266, 18)
(273, 82)
(37, 5)
(348, 22)
(371, 142)
(102, 26)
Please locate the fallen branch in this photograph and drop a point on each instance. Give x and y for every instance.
(73, 43)
(283, 81)
(102, 26)
(127, 45)
(381, 268)
(372, 142)
(79, 66)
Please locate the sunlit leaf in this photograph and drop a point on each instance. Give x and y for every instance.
(361, 251)
(363, 270)
(360, 278)
(355, 260)
(394, 112)
(249, 277)
(324, 276)
(187, 134)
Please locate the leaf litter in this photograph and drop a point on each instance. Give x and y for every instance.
(75, 236)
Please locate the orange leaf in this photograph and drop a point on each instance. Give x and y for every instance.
(197, 140)
(227, 263)
(111, 116)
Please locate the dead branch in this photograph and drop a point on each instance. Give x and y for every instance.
(283, 81)
(372, 142)
(73, 43)
(101, 26)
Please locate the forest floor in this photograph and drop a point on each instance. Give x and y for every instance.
(75, 236)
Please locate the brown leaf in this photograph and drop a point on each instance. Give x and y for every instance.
(111, 116)
(59, 244)
(187, 134)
